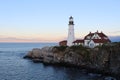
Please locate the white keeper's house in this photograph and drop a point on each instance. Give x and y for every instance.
(93, 39)
(90, 40)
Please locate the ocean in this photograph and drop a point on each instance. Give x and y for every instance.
(14, 67)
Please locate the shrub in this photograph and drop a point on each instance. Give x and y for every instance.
(78, 47)
(61, 48)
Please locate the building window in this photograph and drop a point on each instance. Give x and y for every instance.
(91, 45)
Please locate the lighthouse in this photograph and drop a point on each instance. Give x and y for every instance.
(71, 36)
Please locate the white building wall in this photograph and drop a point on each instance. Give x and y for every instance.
(96, 36)
(71, 36)
(86, 42)
(97, 44)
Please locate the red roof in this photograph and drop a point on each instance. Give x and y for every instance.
(63, 41)
(102, 35)
(90, 34)
(79, 41)
(101, 40)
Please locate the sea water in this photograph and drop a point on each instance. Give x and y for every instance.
(14, 67)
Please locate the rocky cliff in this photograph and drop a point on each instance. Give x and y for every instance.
(104, 59)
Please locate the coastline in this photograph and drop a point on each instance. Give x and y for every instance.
(103, 59)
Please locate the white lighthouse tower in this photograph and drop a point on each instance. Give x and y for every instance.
(71, 37)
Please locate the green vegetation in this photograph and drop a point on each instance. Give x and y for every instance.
(116, 43)
(86, 53)
(61, 48)
(109, 47)
(83, 51)
(78, 47)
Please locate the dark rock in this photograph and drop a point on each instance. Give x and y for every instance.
(37, 60)
(102, 59)
(27, 57)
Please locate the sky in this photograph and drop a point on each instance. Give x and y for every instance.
(47, 20)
